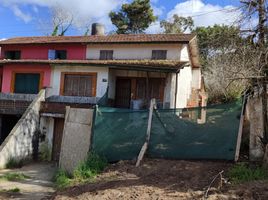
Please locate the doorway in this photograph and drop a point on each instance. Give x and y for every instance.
(57, 138)
(123, 93)
(8, 123)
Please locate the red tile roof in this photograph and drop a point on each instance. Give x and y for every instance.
(121, 38)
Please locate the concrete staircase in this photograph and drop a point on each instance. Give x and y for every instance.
(19, 143)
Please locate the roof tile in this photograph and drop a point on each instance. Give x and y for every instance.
(120, 38)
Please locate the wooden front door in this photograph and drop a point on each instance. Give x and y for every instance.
(123, 93)
(57, 138)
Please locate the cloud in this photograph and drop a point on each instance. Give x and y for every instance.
(206, 14)
(154, 28)
(18, 12)
(83, 11)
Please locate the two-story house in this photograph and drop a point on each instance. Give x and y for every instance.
(123, 71)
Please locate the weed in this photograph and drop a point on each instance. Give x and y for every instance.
(13, 190)
(85, 172)
(62, 179)
(14, 177)
(14, 163)
(93, 165)
(45, 152)
(243, 173)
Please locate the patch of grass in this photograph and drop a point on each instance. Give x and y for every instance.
(85, 172)
(62, 179)
(14, 176)
(241, 172)
(14, 163)
(13, 190)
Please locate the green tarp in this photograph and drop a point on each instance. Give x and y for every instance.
(176, 133)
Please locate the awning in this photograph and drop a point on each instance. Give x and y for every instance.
(140, 65)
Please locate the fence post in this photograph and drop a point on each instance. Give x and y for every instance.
(148, 133)
(240, 131)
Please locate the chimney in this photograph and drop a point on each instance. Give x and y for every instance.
(97, 29)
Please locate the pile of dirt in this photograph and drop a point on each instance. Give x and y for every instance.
(163, 179)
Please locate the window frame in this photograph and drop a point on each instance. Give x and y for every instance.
(156, 53)
(14, 54)
(56, 53)
(106, 51)
(94, 81)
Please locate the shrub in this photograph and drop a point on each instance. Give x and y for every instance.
(14, 163)
(243, 173)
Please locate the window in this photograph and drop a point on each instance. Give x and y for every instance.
(159, 54)
(13, 55)
(57, 54)
(83, 85)
(26, 83)
(106, 54)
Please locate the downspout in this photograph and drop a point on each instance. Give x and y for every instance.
(176, 88)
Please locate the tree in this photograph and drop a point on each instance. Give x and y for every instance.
(177, 25)
(217, 38)
(227, 59)
(61, 21)
(258, 8)
(134, 18)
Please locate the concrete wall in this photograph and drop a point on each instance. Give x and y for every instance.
(46, 131)
(254, 109)
(19, 143)
(196, 76)
(102, 75)
(138, 51)
(76, 138)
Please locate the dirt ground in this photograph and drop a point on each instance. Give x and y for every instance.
(37, 185)
(163, 180)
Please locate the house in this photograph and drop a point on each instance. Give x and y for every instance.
(123, 71)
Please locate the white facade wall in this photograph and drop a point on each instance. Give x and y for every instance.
(184, 54)
(136, 52)
(102, 78)
(196, 77)
(184, 88)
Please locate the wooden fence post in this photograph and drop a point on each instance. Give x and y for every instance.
(148, 133)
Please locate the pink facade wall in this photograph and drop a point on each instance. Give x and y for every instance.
(74, 51)
(8, 70)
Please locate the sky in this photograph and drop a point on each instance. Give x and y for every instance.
(33, 17)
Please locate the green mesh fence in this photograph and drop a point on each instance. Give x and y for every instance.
(118, 133)
(196, 133)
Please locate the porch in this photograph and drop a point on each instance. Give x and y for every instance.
(133, 89)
